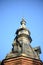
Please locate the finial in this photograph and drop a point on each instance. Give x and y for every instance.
(23, 22)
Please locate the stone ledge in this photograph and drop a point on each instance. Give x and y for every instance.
(21, 61)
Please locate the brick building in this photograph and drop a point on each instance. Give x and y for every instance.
(22, 53)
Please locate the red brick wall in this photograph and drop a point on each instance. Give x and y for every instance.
(21, 61)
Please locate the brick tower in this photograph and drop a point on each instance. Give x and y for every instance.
(22, 53)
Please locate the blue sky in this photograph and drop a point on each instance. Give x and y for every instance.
(11, 13)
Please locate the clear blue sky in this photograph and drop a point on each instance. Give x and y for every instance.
(11, 13)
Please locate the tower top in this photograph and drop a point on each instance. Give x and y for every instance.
(21, 44)
(23, 22)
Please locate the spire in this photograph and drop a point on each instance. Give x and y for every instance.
(23, 22)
